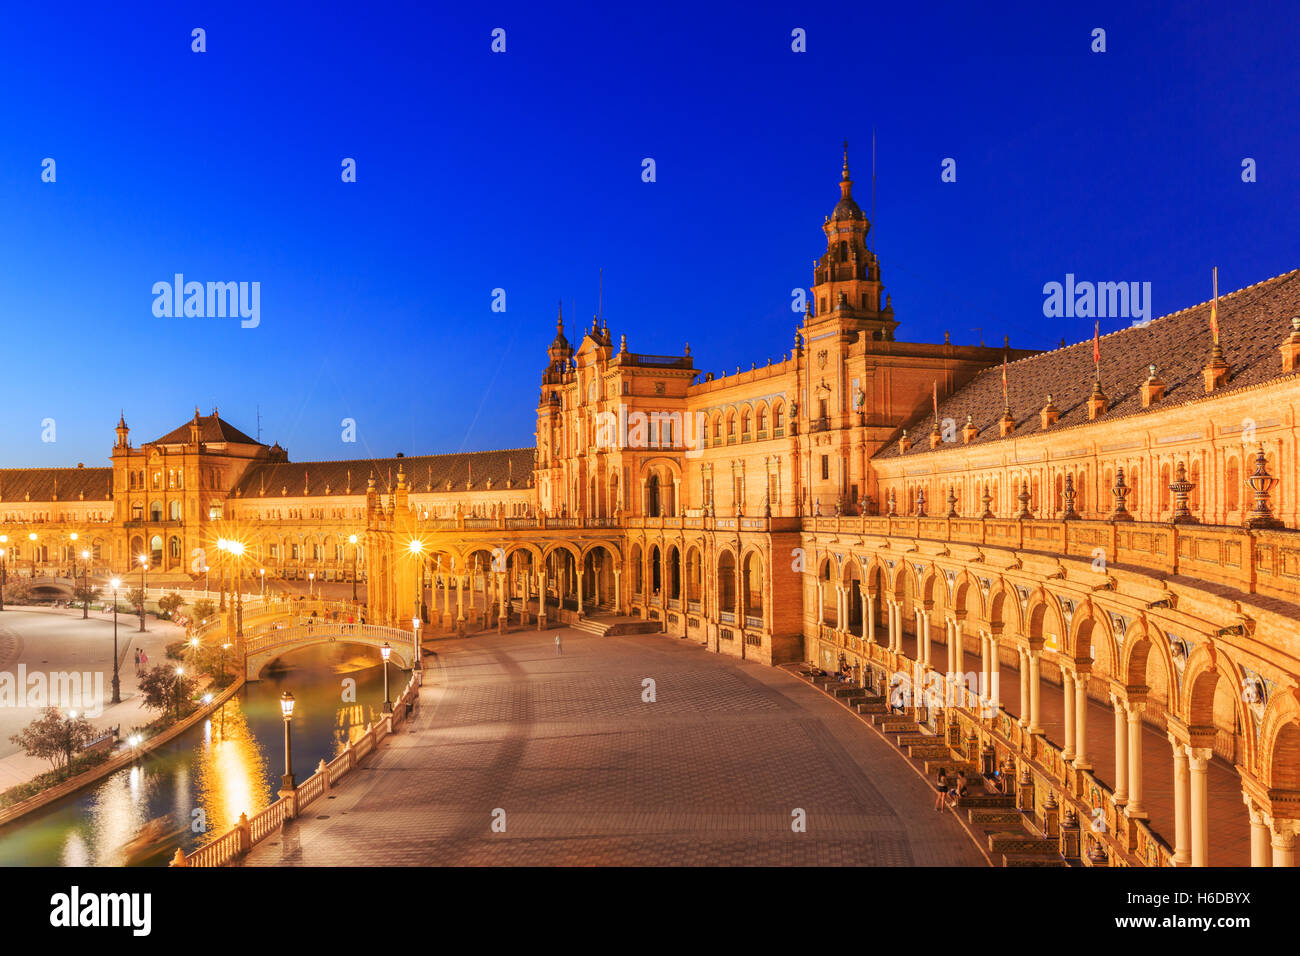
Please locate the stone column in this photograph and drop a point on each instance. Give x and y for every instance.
(1284, 842)
(579, 585)
(1081, 761)
(839, 607)
(1135, 810)
(870, 603)
(1198, 761)
(985, 677)
(1023, 720)
(924, 638)
(1035, 682)
(995, 674)
(1182, 814)
(677, 492)
(618, 592)
(541, 595)
(1067, 690)
(868, 625)
(1261, 853)
(821, 603)
(1121, 751)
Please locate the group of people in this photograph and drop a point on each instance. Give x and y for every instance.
(141, 660)
(951, 786)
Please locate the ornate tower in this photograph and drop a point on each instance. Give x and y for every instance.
(846, 280)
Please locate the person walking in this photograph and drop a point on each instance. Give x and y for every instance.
(137, 662)
(559, 648)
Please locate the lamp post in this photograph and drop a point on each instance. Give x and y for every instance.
(384, 652)
(416, 549)
(85, 585)
(117, 685)
(262, 574)
(72, 558)
(224, 647)
(311, 585)
(4, 539)
(415, 630)
(144, 588)
(32, 538)
(352, 540)
(180, 672)
(235, 549)
(286, 710)
(206, 581)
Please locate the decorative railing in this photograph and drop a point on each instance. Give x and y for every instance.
(250, 831)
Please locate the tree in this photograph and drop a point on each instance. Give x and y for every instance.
(169, 604)
(203, 609)
(55, 737)
(135, 597)
(164, 689)
(86, 593)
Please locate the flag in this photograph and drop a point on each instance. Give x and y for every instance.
(936, 398)
(1004, 378)
(1214, 307)
(1096, 344)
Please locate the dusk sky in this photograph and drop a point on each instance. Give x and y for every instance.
(523, 171)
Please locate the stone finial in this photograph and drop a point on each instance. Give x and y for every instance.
(1181, 488)
(1261, 482)
(920, 502)
(986, 500)
(1290, 347)
(969, 432)
(1121, 492)
(1048, 414)
(890, 500)
(1097, 401)
(1007, 423)
(1069, 513)
(1023, 498)
(952, 503)
(904, 443)
(1153, 389)
(1216, 370)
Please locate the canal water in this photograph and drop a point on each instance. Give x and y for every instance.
(195, 787)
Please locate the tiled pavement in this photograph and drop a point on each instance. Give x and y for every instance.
(1229, 843)
(584, 772)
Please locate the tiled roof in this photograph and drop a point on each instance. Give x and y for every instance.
(212, 428)
(423, 473)
(42, 484)
(1253, 323)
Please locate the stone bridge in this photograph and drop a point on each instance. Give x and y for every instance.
(264, 648)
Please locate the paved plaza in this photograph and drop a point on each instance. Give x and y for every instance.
(49, 641)
(565, 754)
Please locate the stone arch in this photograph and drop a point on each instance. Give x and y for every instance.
(1211, 697)
(753, 583)
(1137, 670)
(1090, 639)
(1279, 741)
(726, 581)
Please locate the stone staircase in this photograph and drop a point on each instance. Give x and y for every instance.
(616, 626)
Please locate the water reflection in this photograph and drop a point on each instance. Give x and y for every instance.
(197, 785)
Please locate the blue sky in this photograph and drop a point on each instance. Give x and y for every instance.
(522, 171)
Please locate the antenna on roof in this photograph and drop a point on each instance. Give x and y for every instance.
(259, 424)
(600, 293)
(873, 189)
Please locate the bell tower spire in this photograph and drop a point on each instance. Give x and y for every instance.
(847, 289)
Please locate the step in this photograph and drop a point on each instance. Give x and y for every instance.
(928, 752)
(915, 737)
(974, 799)
(897, 726)
(995, 817)
(1022, 843)
(1032, 859)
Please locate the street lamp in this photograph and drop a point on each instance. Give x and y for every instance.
(286, 710)
(4, 539)
(144, 588)
(224, 647)
(416, 550)
(85, 585)
(206, 581)
(384, 652)
(311, 585)
(262, 573)
(72, 558)
(415, 629)
(236, 550)
(117, 685)
(32, 538)
(352, 540)
(180, 672)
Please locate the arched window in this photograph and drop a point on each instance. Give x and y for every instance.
(727, 583)
(156, 512)
(844, 251)
(761, 420)
(744, 424)
(778, 416)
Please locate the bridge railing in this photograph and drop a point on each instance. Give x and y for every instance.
(297, 633)
(250, 831)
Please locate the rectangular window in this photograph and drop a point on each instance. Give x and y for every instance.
(826, 467)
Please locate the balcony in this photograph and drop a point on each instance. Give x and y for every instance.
(819, 424)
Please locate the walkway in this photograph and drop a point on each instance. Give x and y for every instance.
(1229, 843)
(584, 772)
